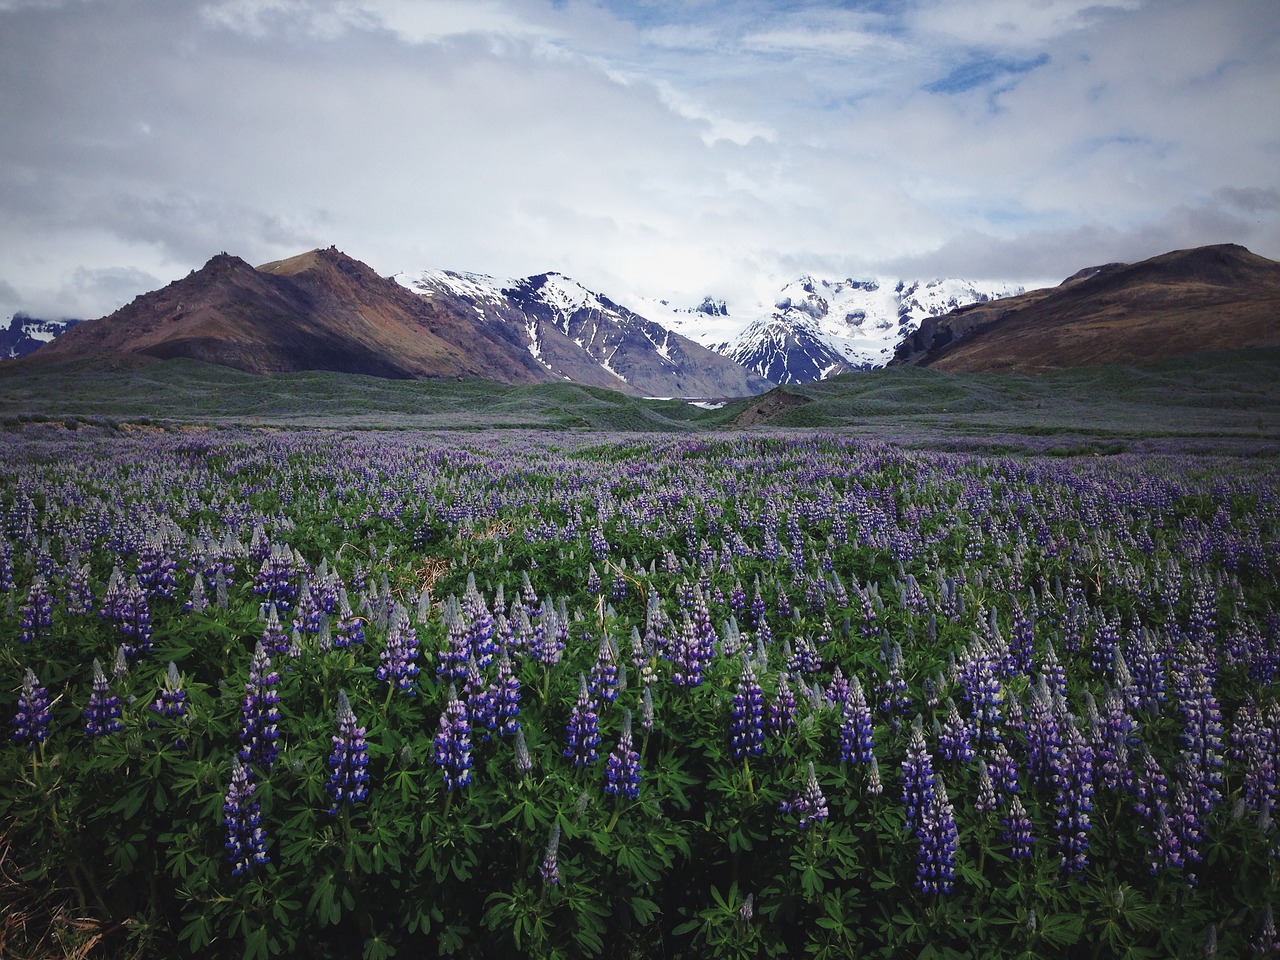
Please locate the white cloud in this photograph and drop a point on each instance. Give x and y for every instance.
(665, 149)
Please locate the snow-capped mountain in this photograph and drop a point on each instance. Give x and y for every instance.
(26, 334)
(580, 335)
(816, 328)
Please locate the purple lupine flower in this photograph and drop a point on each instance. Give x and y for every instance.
(954, 742)
(171, 703)
(276, 576)
(809, 804)
(505, 692)
(549, 635)
(1017, 830)
(78, 595)
(646, 710)
(308, 614)
(31, 722)
(348, 776)
(482, 704)
(37, 611)
(982, 690)
(246, 844)
(1044, 731)
(349, 630)
(549, 868)
(805, 657)
(157, 569)
(453, 743)
(454, 659)
(746, 725)
(1004, 772)
(397, 663)
(603, 680)
(196, 601)
(857, 741)
(917, 776)
(782, 710)
(102, 715)
(938, 841)
(133, 617)
(622, 772)
(274, 640)
(1071, 773)
(894, 699)
(481, 627)
(259, 713)
(986, 800)
(583, 729)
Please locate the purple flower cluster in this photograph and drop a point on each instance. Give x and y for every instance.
(348, 777)
(453, 743)
(102, 714)
(260, 713)
(857, 741)
(583, 728)
(810, 805)
(246, 844)
(31, 722)
(746, 724)
(622, 770)
(397, 663)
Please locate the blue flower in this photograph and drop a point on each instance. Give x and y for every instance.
(37, 612)
(31, 722)
(938, 843)
(102, 715)
(246, 844)
(172, 700)
(746, 726)
(809, 804)
(583, 729)
(549, 868)
(259, 713)
(857, 741)
(397, 663)
(348, 777)
(622, 773)
(453, 743)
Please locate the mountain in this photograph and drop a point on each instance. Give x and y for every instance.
(816, 328)
(323, 310)
(582, 336)
(1180, 303)
(26, 334)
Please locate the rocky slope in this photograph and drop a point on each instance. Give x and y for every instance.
(1181, 303)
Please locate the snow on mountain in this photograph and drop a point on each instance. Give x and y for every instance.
(816, 328)
(583, 336)
(26, 334)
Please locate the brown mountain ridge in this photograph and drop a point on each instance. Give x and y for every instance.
(323, 310)
(1180, 303)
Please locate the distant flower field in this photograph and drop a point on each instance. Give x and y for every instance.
(509, 694)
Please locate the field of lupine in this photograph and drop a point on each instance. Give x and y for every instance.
(495, 694)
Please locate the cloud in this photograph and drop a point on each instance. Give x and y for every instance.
(669, 149)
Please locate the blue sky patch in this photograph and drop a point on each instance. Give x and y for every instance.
(980, 72)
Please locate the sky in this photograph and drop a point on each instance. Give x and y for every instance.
(644, 148)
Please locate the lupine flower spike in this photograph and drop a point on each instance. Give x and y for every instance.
(102, 715)
(348, 778)
(31, 722)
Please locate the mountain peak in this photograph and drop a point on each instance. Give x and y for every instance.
(1178, 303)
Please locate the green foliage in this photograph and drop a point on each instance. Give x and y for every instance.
(127, 830)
